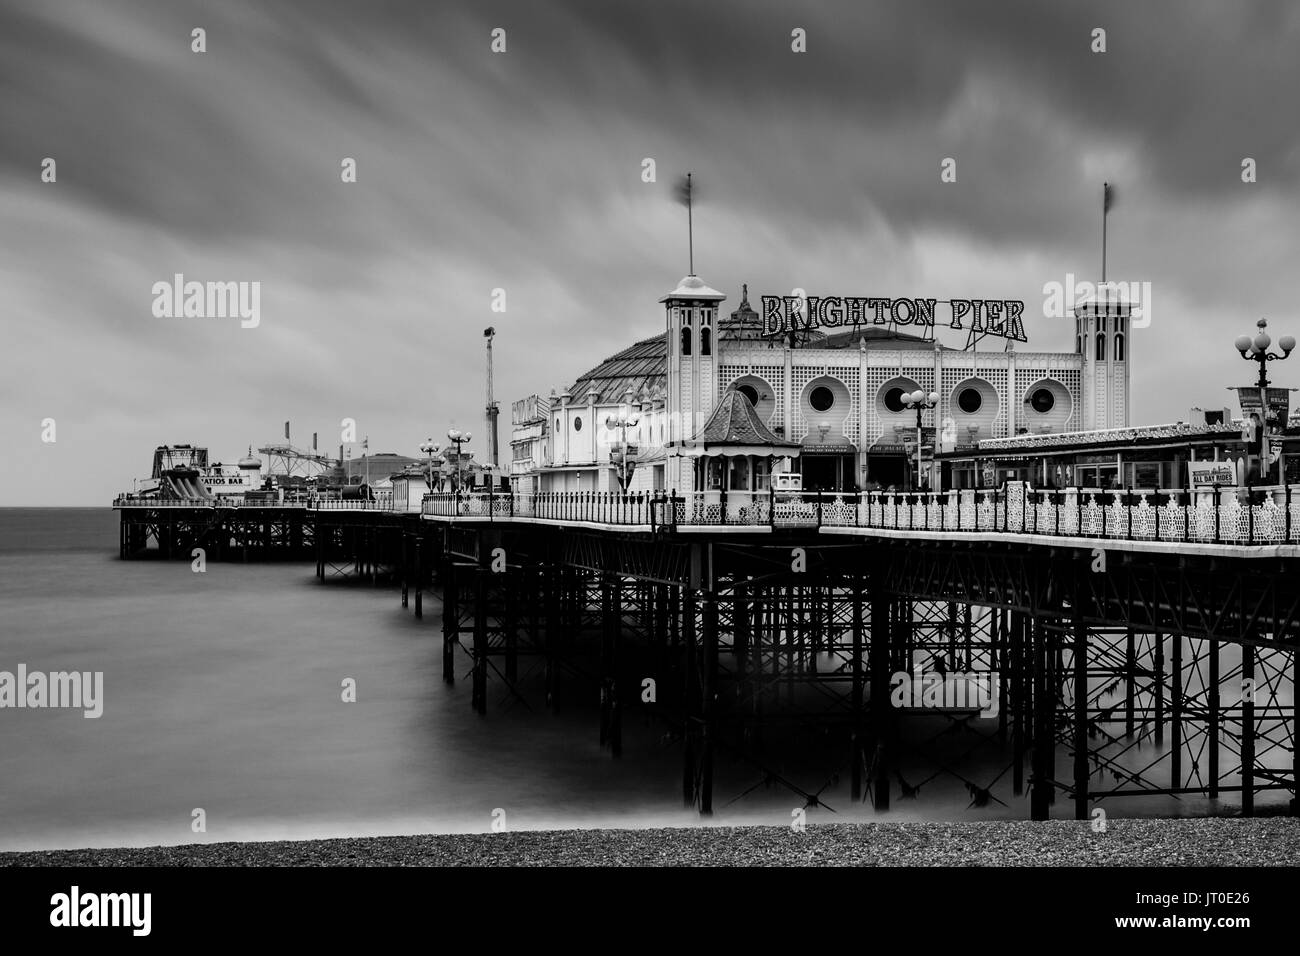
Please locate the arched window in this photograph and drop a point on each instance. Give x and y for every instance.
(1079, 343)
(1119, 347)
(1101, 347)
(706, 335)
(686, 340)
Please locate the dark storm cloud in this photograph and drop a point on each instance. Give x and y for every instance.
(522, 171)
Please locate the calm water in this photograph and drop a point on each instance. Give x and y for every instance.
(222, 691)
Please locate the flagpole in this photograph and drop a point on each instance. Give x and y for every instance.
(690, 226)
(1105, 208)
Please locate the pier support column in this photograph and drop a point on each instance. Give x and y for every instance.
(478, 696)
(883, 633)
(1248, 730)
(690, 696)
(1158, 681)
(1130, 683)
(450, 618)
(513, 582)
(855, 740)
(1213, 731)
(611, 730)
(406, 569)
(1176, 711)
(1080, 708)
(709, 702)
(419, 583)
(1021, 692)
(553, 582)
(1044, 739)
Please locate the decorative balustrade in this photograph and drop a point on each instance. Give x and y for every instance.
(1265, 515)
(227, 501)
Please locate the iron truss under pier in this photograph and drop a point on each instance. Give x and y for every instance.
(1123, 674)
(1117, 670)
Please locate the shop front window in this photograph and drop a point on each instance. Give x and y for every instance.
(714, 474)
(739, 474)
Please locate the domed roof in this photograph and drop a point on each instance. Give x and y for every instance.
(248, 462)
(643, 365)
(693, 287)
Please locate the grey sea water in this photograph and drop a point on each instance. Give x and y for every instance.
(223, 692)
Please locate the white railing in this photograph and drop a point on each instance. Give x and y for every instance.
(225, 502)
(1264, 515)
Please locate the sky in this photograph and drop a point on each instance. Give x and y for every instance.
(522, 170)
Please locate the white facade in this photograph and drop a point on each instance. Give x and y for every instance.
(837, 396)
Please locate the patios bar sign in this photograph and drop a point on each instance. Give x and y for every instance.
(786, 313)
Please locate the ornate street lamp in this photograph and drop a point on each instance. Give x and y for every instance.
(459, 439)
(920, 400)
(625, 419)
(430, 448)
(1256, 350)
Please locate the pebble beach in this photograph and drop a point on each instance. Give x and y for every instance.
(1143, 842)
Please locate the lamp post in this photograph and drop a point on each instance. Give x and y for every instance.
(1256, 350)
(459, 439)
(920, 400)
(625, 419)
(430, 448)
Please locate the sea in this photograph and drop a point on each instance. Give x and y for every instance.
(225, 718)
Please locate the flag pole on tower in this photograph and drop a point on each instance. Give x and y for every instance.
(684, 194)
(1107, 199)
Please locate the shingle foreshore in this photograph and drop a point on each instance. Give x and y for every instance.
(1200, 842)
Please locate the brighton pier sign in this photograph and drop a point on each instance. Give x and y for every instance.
(783, 314)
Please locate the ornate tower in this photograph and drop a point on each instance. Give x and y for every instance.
(691, 312)
(1101, 328)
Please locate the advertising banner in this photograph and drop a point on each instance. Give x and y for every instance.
(1210, 473)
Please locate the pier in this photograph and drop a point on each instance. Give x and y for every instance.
(1141, 642)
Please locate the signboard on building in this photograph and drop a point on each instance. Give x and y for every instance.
(783, 314)
(1210, 473)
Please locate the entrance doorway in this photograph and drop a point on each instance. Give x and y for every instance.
(826, 472)
(889, 471)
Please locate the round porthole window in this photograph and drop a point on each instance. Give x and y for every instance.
(750, 393)
(894, 399)
(1043, 401)
(577, 423)
(970, 400)
(822, 398)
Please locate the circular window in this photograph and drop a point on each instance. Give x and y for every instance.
(894, 399)
(822, 398)
(1042, 400)
(577, 423)
(970, 400)
(750, 393)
